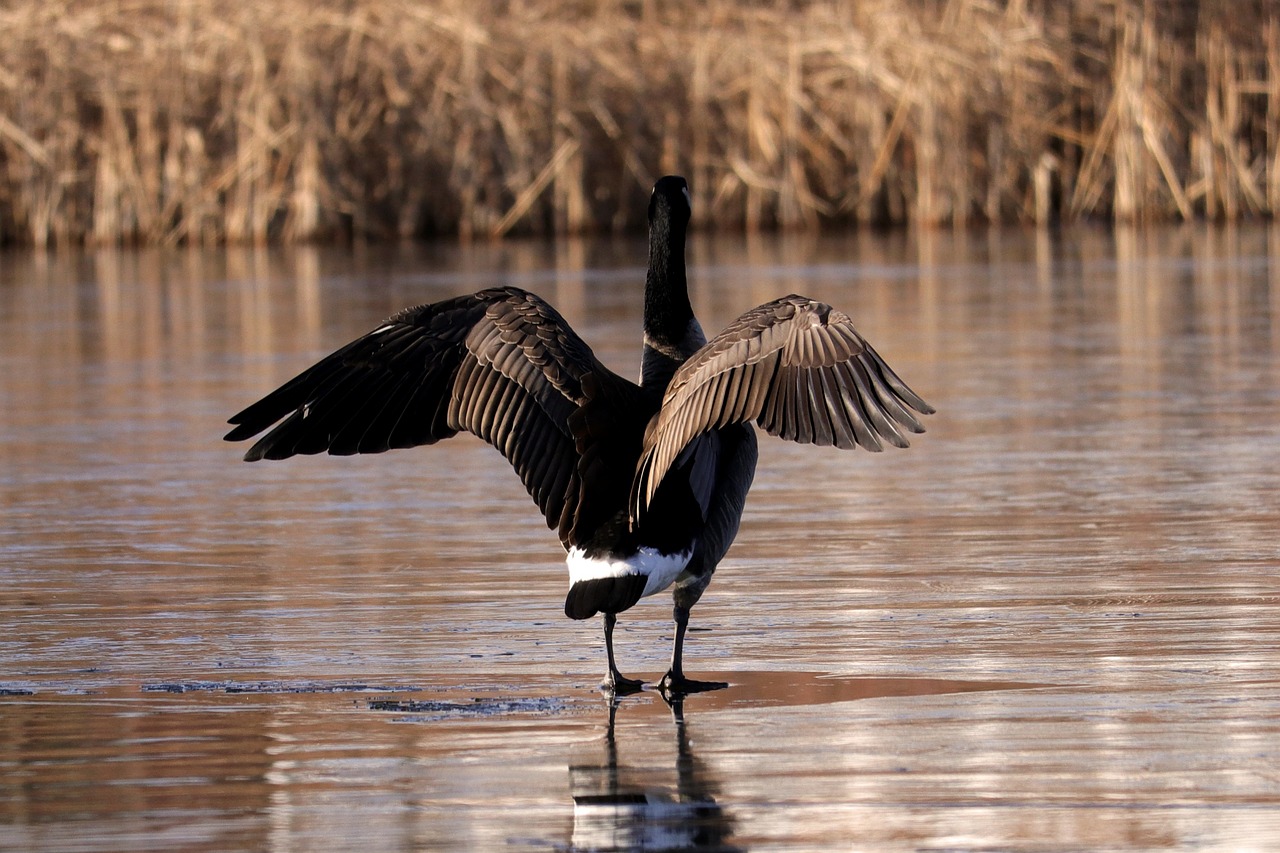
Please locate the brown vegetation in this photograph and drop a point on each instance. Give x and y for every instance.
(192, 120)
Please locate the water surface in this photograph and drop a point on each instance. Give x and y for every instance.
(1052, 624)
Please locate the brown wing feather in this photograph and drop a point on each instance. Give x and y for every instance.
(796, 367)
(501, 364)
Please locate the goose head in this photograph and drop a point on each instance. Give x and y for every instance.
(670, 203)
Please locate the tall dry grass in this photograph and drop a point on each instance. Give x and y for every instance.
(171, 121)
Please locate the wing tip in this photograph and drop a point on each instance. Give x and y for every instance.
(240, 433)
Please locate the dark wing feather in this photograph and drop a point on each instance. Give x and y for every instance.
(501, 364)
(796, 367)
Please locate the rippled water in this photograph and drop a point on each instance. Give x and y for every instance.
(1052, 624)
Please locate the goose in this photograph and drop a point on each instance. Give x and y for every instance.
(644, 482)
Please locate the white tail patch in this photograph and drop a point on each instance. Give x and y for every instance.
(661, 570)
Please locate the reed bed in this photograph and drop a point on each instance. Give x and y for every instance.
(195, 121)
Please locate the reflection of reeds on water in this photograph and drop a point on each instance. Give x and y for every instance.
(205, 122)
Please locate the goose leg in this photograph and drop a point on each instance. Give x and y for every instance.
(614, 681)
(674, 682)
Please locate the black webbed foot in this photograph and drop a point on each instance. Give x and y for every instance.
(617, 684)
(673, 684)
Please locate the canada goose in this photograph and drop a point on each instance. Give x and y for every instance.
(645, 483)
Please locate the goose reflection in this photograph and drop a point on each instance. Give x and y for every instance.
(618, 806)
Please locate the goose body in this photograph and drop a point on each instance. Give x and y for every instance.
(644, 483)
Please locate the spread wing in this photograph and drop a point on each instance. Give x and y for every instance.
(501, 364)
(795, 366)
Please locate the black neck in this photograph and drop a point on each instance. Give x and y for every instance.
(667, 311)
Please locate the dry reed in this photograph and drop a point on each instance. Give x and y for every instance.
(168, 121)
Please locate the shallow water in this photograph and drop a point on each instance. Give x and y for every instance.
(1052, 624)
